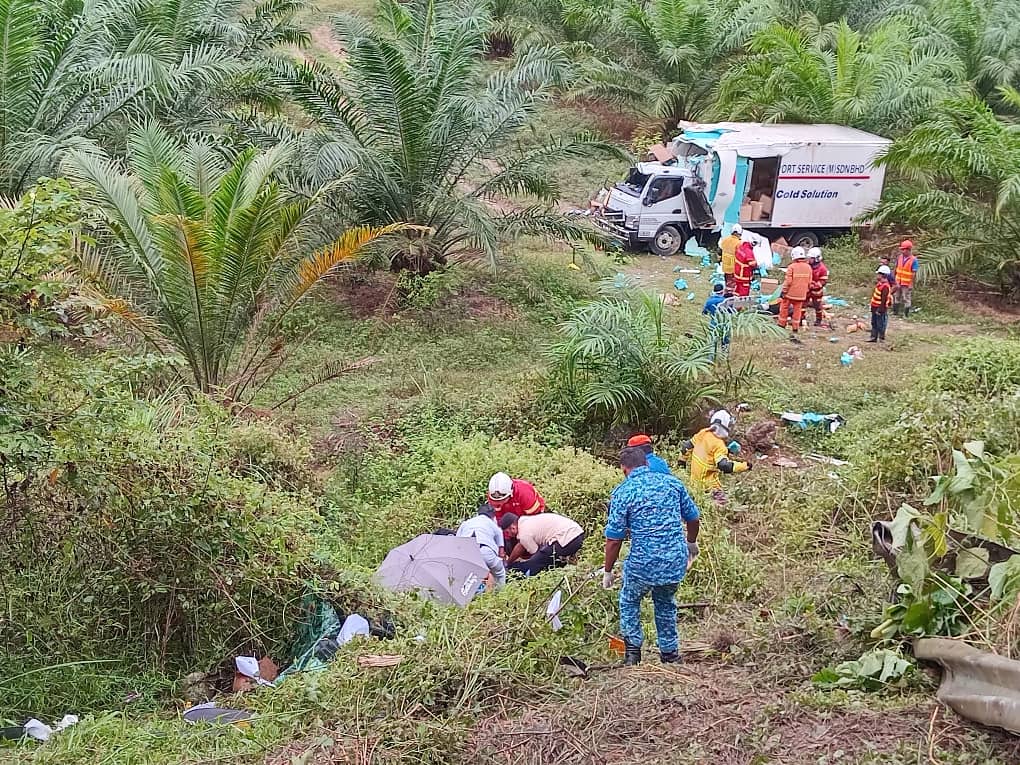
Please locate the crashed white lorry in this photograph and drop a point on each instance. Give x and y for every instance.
(805, 183)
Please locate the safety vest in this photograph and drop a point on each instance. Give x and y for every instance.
(743, 269)
(881, 296)
(905, 270)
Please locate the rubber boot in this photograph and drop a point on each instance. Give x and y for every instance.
(671, 657)
(896, 309)
(906, 313)
(631, 655)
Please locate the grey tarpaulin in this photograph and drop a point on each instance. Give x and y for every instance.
(980, 686)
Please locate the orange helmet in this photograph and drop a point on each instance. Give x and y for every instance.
(906, 244)
(639, 440)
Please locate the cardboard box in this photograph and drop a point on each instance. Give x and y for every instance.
(768, 286)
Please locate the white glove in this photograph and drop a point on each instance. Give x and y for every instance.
(607, 580)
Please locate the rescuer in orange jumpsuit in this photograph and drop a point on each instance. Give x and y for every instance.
(795, 290)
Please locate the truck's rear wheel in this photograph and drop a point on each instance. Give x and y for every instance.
(805, 239)
(667, 241)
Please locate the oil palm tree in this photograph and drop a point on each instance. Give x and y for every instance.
(667, 63)
(77, 74)
(203, 257)
(982, 36)
(620, 361)
(877, 81)
(420, 133)
(963, 168)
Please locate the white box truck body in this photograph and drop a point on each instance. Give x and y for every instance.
(803, 182)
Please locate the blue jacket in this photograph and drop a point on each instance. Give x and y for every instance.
(652, 508)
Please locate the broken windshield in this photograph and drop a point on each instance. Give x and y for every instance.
(634, 183)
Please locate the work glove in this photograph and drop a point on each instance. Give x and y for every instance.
(607, 580)
(749, 465)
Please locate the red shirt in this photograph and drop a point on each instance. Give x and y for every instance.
(523, 500)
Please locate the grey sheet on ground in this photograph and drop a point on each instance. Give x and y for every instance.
(980, 686)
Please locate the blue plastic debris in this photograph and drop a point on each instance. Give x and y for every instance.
(620, 281)
(680, 284)
(733, 447)
(777, 259)
(690, 296)
(706, 260)
(846, 359)
(694, 249)
(838, 302)
(756, 285)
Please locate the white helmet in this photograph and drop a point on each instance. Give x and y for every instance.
(501, 486)
(797, 253)
(815, 253)
(721, 419)
(737, 229)
(884, 270)
(746, 236)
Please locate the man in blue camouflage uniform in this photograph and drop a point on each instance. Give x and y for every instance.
(654, 508)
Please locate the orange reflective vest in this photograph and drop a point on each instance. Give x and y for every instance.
(745, 264)
(905, 270)
(729, 252)
(881, 297)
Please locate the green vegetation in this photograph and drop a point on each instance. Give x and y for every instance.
(279, 292)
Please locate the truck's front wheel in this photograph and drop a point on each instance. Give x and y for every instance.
(667, 242)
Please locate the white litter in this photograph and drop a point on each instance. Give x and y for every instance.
(40, 731)
(354, 625)
(249, 667)
(552, 611)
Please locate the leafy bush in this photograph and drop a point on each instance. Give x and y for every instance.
(36, 234)
(620, 363)
(980, 366)
(129, 533)
(443, 478)
(262, 451)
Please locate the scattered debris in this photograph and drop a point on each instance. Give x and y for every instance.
(573, 667)
(679, 270)
(680, 285)
(783, 462)
(552, 611)
(40, 731)
(806, 419)
(977, 685)
(690, 296)
(262, 671)
(379, 660)
(211, 713)
(826, 460)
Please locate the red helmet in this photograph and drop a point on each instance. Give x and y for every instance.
(639, 440)
(906, 244)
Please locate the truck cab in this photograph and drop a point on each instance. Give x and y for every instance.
(656, 204)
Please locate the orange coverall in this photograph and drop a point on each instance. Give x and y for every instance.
(794, 293)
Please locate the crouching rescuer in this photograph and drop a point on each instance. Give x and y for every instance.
(709, 456)
(663, 522)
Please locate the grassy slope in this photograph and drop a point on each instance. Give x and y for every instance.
(782, 582)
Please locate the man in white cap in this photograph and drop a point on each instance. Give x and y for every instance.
(708, 454)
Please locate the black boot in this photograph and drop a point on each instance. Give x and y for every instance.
(906, 313)
(872, 340)
(896, 309)
(631, 655)
(671, 657)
